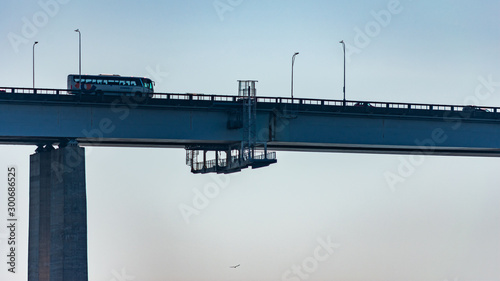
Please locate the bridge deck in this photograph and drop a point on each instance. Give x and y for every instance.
(33, 116)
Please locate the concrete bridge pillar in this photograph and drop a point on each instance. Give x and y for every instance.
(58, 215)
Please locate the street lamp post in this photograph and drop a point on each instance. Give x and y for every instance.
(36, 42)
(343, 45)
(293, 61)
(79, 56)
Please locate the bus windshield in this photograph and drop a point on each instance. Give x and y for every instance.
(148, 84)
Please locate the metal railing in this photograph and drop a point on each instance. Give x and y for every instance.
(222, 163)
(7, 90)
(262, 156)
(270, 100)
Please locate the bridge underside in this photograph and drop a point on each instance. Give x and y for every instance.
(422, 150)
(427, 149)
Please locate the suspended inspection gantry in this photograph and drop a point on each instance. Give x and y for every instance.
(230, 158)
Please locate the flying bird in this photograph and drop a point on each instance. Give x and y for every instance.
(234, 266)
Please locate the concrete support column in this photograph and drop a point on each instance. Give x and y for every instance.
(58, 215)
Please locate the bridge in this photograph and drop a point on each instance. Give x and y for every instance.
(221, 134)
(42, 116)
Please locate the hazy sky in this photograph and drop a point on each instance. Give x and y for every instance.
(311, 216)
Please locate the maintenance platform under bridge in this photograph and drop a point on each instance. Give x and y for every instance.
(240, 155)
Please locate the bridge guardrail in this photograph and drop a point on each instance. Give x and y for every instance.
(8, 90)
(271, 100)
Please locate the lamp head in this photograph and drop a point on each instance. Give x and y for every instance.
(36, 42)
(77, 30)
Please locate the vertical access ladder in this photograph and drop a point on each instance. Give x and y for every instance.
(233, 157)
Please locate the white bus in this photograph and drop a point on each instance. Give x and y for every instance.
(104, 84)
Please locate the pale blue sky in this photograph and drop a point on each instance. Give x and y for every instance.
(442, 222)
